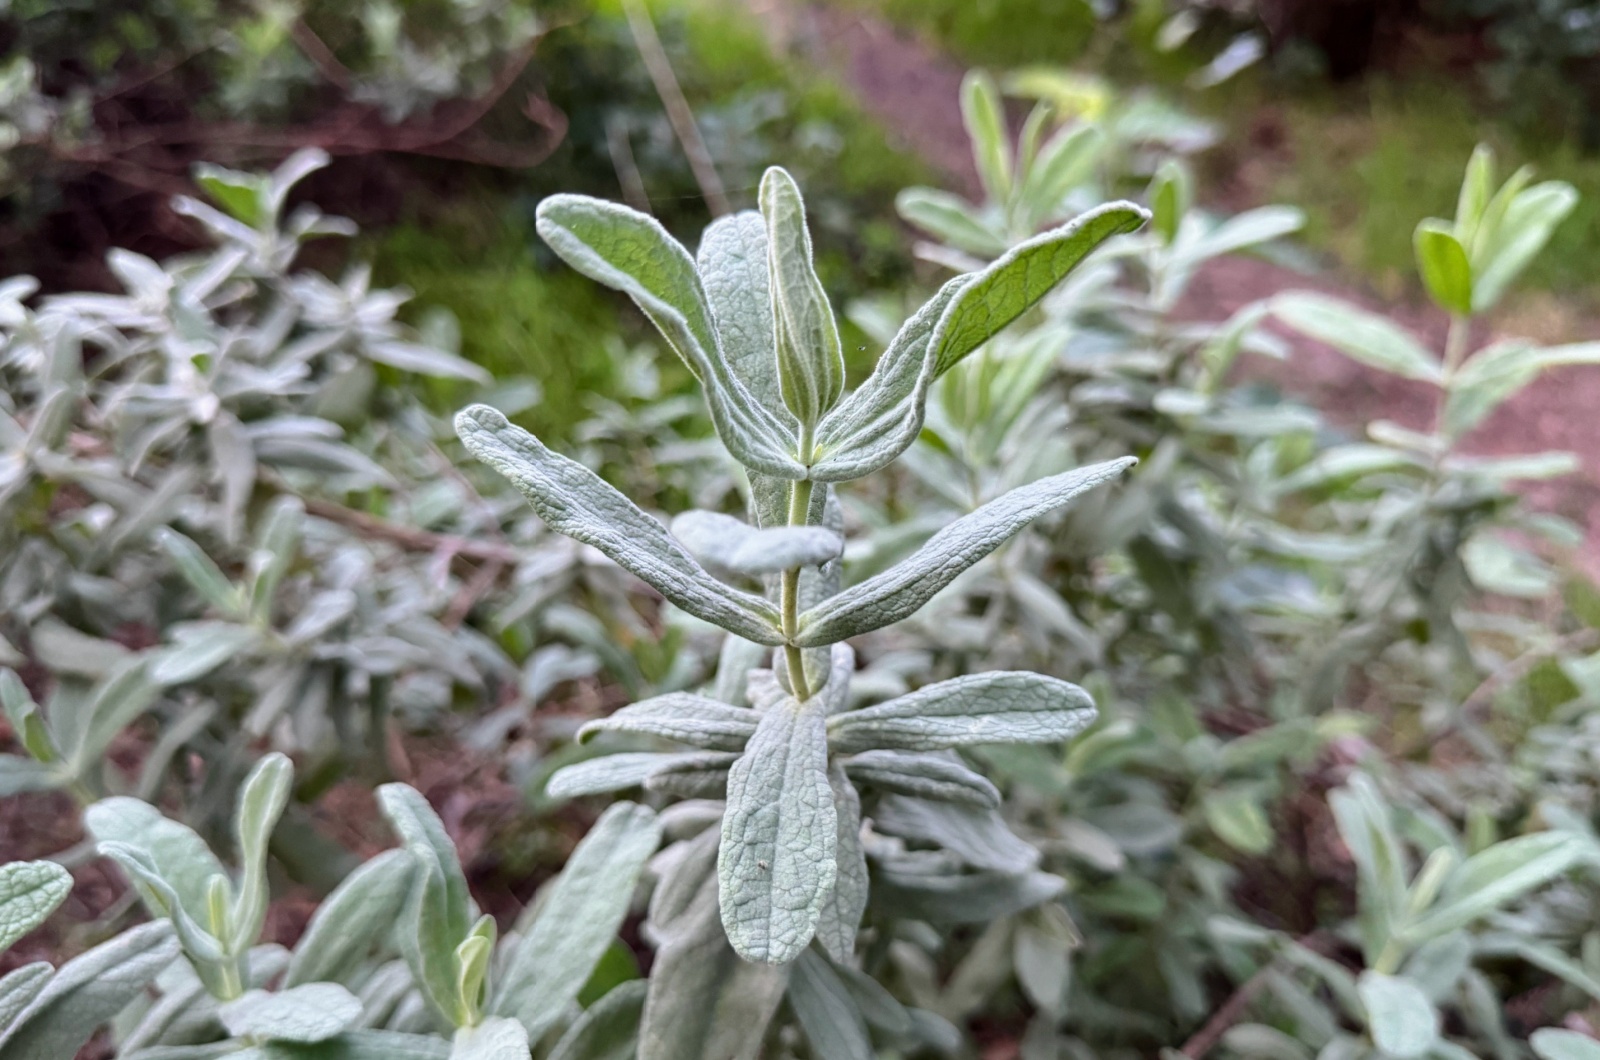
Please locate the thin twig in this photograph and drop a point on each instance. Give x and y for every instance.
(415, 539)
(678, 112)
(1238, 1003)
(1581, 641)
(627, 168)
(321, 55)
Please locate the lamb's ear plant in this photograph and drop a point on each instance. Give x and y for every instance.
(782, 746)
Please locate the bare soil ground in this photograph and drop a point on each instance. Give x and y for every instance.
(913, 89)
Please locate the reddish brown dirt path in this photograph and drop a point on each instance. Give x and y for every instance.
(913, 89)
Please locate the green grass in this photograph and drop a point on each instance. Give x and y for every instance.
(1369, 162)
(517, 316)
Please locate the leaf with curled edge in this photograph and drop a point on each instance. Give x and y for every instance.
(842, 912)
(724, 542)
(1006, 706)
(631, 769)
(924, 775)
(899, 591)
(630, 252)
(777, 864)
(681, 716)
(732, 261)
(876, 423)
(578, 503)
(809, 355)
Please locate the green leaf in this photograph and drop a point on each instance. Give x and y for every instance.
(357, 917)
(198, 648)
(1066, 161)
(441, 912)
(1529, 220)
(949, 219)
(261, 802)
(240, 194)
(313, 1012)
(1357, 334)
(998, 707)
(984, 116)
(1499, 371)
(1476, 188)
(1236, 816)
(495, 1038)
(1492, 878)
(29, 892)
(732, 262)
(1552, 1043)
(842, 912)
(926, 776)
(961, 898)
(632, 253)
(180, 856)
(608, 1029)
(810, 357)
(1171, 195)
(581, 912)
(1442, 260)
(1402, 1020)
(87, 991)
(619, 772)
(777, 863)
(827, 1011)
(897, 593)
(578, 503)
(882, 418)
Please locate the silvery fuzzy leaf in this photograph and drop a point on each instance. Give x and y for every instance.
(733, 545)
(87, 991)
(423, 359)
(883, 1011)
(880, 420)
(313, 1012)
(179, 855)
(19, 987)
(734, 663)
(608, 1029)
(999, 707)
(496, 1038)
(898, 592)
(29, 892)
(200, 647)
(575, 501)
(354, 1045)
(962, 898)
(631, 769)
(776, 866)
(806, 336)
(926, 776)
(440, 912)
(1402, 1020)
(159, 896)
(632, 253)
(706, 781)
(978, 835)
(683, 873)
(353, 920)
(732, 261)
(841, 672)
(683, 717)
(841, 914)
(18, 775)
(581, 912)
(827, 1011)
(261, 802)
(703, 1001)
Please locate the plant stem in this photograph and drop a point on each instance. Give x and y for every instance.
(789, 595)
